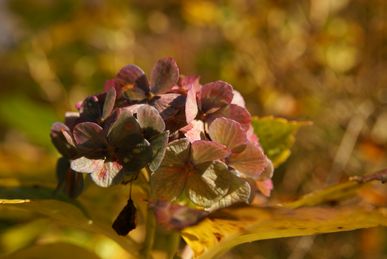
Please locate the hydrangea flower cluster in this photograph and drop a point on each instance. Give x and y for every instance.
(196, 140)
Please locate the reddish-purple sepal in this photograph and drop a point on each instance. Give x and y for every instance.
(90, 139)
(91, 109)
(207, 151)
(135, 157)
(108, 105)
(229, 133)
(215, 95)
(251, 162)
(132, 81)
(168, 105)
(62, 140)
(234, 112)
(125, 131)
(164, 75)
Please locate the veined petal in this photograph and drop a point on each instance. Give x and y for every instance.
(177, 153)
(215, 95)
(207, 151)
(86, 165)
(234, 112)
(228, 132)
(149, 117)
(107, 174)
(168, 183)
(208, 184)
(164, 75)
(251, 162)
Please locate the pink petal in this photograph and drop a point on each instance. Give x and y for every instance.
(194, 130)
(107, 174)
(235, 113)
(191, 106)
(215, 95)
(227, 132)
(207, 151)
(238, 99)
(251, 162)
(265, 186)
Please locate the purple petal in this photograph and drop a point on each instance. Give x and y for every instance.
(108, 106)
(169, 105)
(149, 117)
(228, 132)
(86, 165)
(215, 95)
(125, 131)
(164, 75)
(62, 140)
(251, 162)
(91, 109)
(235, 113)
(133, 82)
(191, 106)
(207, 151)
(89, 137)
(106, 176)
(69, 181)
(71, 119)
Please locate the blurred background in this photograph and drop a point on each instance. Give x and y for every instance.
(318, 60)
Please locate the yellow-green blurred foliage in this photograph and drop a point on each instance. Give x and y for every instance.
(318, 60)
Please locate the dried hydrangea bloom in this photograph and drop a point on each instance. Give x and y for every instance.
(196, 140)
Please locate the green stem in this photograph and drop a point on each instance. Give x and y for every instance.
(150, 221)
(174, 242)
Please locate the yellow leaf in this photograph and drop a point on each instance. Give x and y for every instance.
(229, 227)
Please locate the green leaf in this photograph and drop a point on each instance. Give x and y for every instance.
(28, 117)
(58, 250)
(229, 227)
(276, 136)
